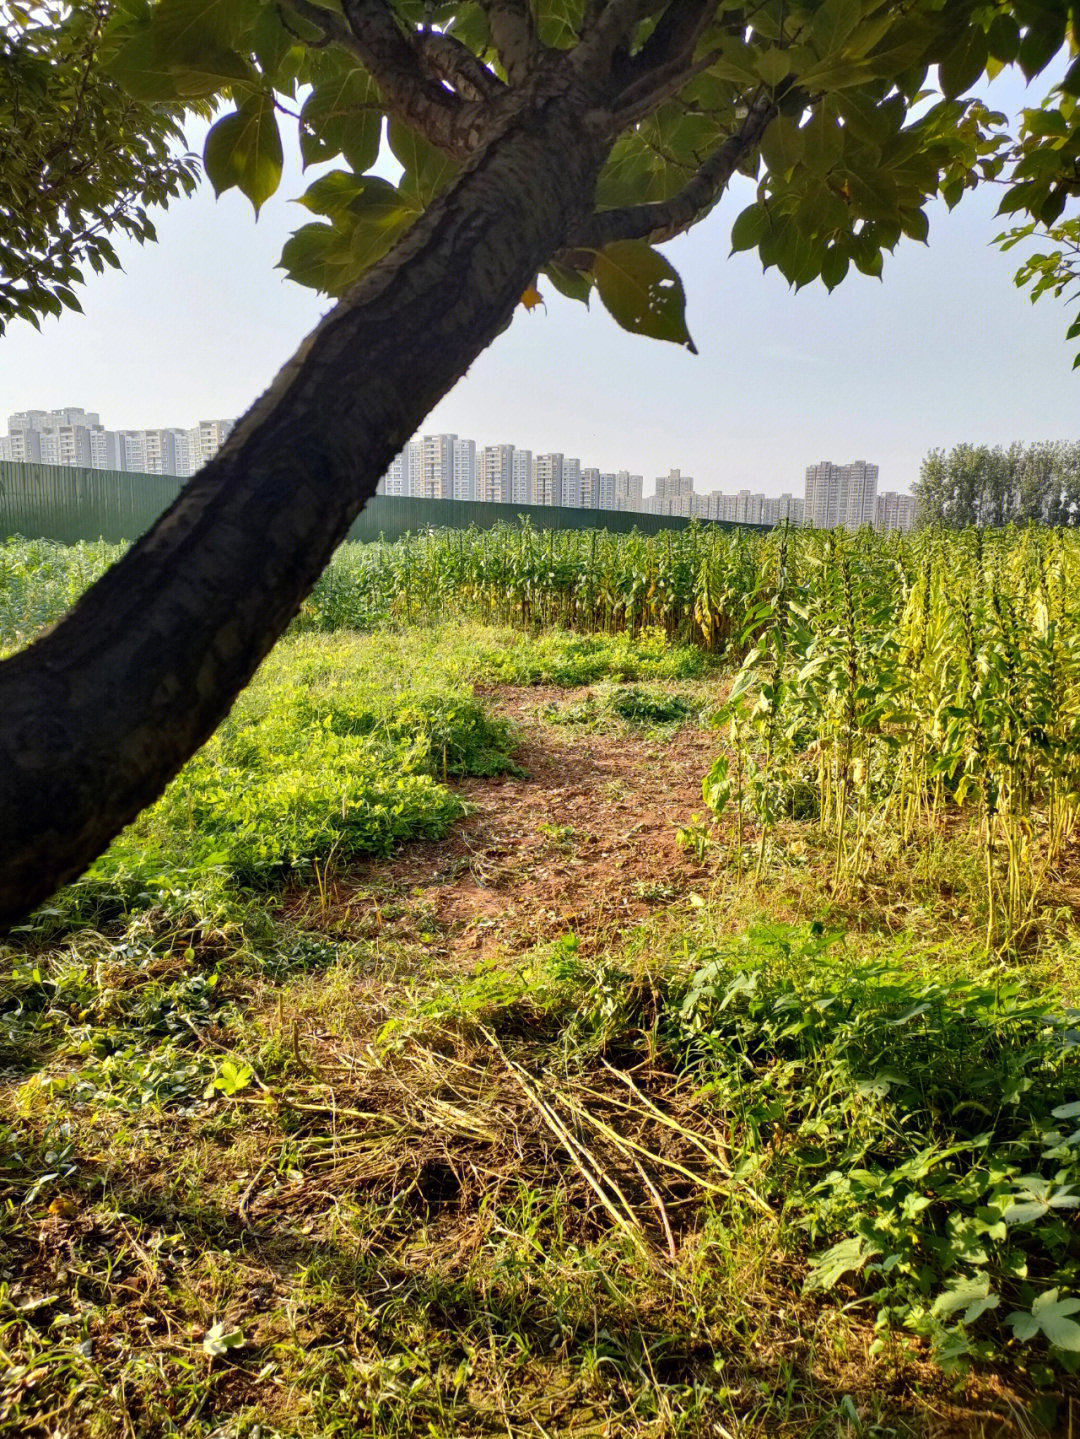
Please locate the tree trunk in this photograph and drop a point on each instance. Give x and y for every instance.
(99, 714)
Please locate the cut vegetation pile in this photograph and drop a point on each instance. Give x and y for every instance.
(423, 1063)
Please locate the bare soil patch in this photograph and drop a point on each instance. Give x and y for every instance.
(585, 841)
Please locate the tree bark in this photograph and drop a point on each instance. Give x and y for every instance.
(99, 714)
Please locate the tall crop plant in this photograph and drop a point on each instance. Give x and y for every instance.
(907, 683)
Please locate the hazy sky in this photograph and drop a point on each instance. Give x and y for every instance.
(944, 349)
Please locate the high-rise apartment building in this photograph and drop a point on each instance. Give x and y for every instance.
(396, 479)
(571, 482)
(894, 511)
(628, 490)
(435, 480)
(104, 449)
(76, 437)
(840, 495)
(605, 492)
(590, 488)
(495, 475)
(167, 452)
(204, 440)
(464, 469)
(674, 494)
(131, 450)
(523, 484)
(548, 479)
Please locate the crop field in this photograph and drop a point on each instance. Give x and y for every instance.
(590, 985)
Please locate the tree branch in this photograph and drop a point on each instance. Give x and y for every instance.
(610, 32)
(458, 66)
(513, 32)
(672, 42)
(642, 97)
(371, 33)
(668, 218)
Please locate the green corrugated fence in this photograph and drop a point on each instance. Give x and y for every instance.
(59, 502)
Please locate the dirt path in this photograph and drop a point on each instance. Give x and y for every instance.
(585, 842)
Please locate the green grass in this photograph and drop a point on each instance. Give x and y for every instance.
(39, 580)
(279, 1158)
(342, 746)
(322, 1189)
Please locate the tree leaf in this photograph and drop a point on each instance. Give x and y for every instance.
(428, 171)
(342, 116)
(244, 149)
(184, 48)
(834, 266)
(642, 291)
(571, 283)
(965, 62)
(833, 23)
(749, 227)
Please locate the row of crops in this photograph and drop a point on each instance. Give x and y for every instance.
(888, 683)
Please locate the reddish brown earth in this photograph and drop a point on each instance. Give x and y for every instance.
(586, 841)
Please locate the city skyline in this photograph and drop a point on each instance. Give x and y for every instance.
(454, 467)
(121, 449)
(73, 436)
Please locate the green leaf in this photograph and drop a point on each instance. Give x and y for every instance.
(822, 141)
(1040, 44)
(232, 1078)
(369, 215)
(965, 63)
(1003, 38)
(834, 266)
(847, 1257)
(833, 23)
(184, 49)
(219, 1340)
(379, 215)
(773, 66)
(571, 283)
(749, 227)
(342, 116)
(334, 192)
(318, 256)
(428, 171)
(915, 224)
(1051, 1314)
(148, 71)
(970, 1294)
(244, 149)
(1023, 1325)
(642, 291)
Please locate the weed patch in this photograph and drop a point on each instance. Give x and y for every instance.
(926, 1125)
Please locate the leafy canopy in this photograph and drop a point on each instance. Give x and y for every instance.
(850, 114)
(1046, 179)
(80, 158)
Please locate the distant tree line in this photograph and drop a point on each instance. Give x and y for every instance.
(977, 485)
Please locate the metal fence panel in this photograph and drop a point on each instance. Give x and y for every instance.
(60, 502)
